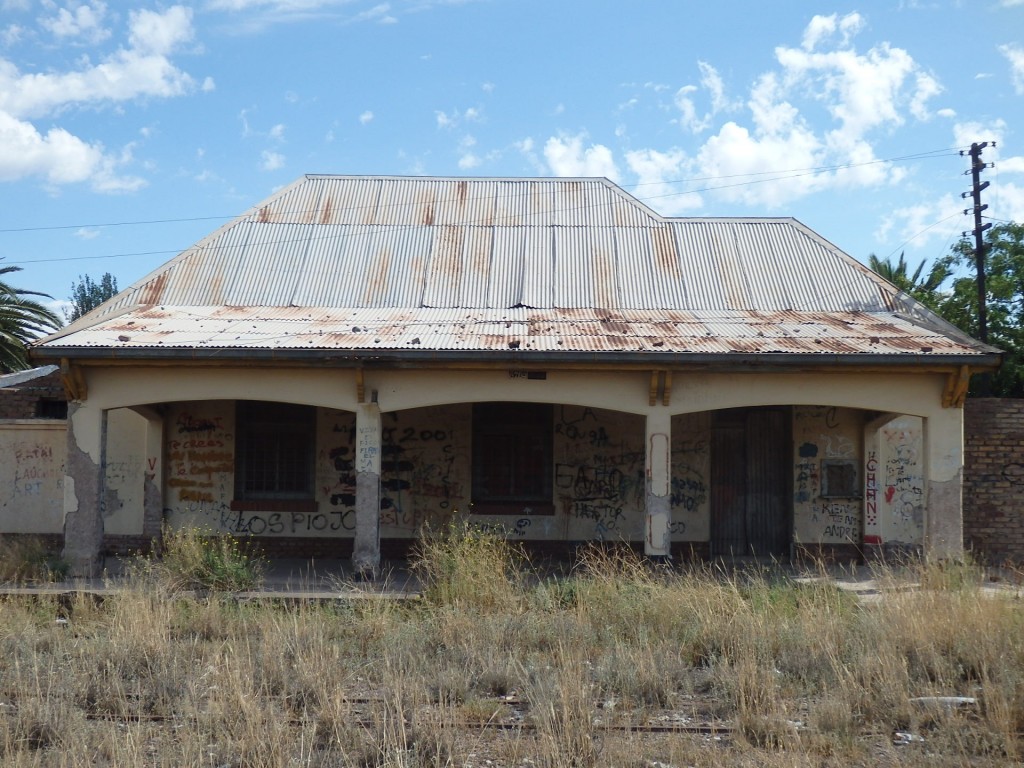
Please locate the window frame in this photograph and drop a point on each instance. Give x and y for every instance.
(261, 424)
(855, 489)
(505, 431)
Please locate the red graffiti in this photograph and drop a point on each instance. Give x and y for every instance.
(890, 491)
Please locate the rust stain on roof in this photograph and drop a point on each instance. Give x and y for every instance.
(153, 291)
(325, 216)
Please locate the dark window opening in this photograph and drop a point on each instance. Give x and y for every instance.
(274, 452)
(839, 479)
(51, 409)
(512, 458)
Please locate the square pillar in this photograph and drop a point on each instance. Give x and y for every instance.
(944, 478)
(366, 547)
(658, 500)
(152, 493)
(84, 481)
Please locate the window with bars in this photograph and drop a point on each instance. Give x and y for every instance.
(274, 454)
(512, 458)
(839, 479)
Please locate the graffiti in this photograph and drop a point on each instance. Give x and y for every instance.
(418, 475)
(24, 452)
(1014, 473)
(294, 523)
(839, 520)
(808, 451)
(871, 489)
(838, 446)
(201, 465)
(677, 528)
(688, 490)
(519, 529)
(808, 481)
(579, 430)
(187, 423)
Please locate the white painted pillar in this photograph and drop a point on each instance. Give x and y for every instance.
(874, 477)
(366, 547)
(153, 473)
(84, 489)
(944, 472)
(659, 480)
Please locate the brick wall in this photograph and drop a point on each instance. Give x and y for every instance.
(994, 479)
(22, 401)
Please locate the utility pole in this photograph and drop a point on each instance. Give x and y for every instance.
(977, 166)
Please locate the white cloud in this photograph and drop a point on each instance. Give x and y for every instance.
(277, 132)
(487, 87)
(566, 156)
(1015, 55)
(1011, 165)
(366, 117)
(84, 22)
(656, 172)
(455, 117)
(965, 134)
(271, 161)
(143, 69)
(861, 93)
(208, 85)
(923, 226)
(57, 156)
(468, 161)
(11, 34)
(711, 82)
(87, 233)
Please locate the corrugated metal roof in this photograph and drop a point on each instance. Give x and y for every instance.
(568, 330)
(578, 263)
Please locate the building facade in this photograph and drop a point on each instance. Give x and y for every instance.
(358, 357)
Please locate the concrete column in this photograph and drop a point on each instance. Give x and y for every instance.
(874, 473)
(366, 548)
(153, 473)
(944, 475)
(83, 489)
(659, 480)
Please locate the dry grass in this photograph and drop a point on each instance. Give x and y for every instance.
(619, 664)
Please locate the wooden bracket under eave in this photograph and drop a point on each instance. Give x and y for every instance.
(957, 383)
(73, 379)
(661, 387)
(360, 386)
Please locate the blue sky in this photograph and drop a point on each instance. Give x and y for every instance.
(129, 131)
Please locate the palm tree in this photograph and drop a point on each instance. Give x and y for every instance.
(22, 319)
(925, 290)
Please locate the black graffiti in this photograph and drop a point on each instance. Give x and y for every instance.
(260, 523)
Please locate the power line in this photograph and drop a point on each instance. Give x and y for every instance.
(775, 175)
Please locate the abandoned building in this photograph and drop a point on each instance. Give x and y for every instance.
(356, 357)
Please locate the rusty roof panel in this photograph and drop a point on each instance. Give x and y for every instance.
(568, 330)
(592, 263)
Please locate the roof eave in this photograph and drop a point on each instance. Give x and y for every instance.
(525, 358)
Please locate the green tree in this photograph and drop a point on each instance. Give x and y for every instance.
(925, 289)
(22, 319)
(1004, 301)
(86, 295)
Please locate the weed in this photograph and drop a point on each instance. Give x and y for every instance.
(469, 568)
(27, 559)
(192, 559)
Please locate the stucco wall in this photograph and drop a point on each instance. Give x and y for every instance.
(820, 435)
(32, 475)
